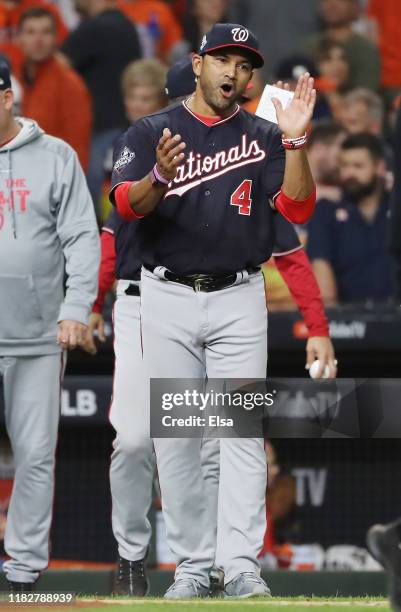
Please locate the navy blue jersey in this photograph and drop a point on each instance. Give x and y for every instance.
(215, 216)
(128, 264)
(356, 249)
(285, 237)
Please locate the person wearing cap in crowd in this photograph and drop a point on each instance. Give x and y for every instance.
(204, 245)
(48, 230)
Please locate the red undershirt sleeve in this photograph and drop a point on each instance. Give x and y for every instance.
(297, 272)
(122, 202)
(107, 274)
(295, 211)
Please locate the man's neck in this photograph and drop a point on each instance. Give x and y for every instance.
(31, 68)
(198, 105)
(9, 131)
(339, 34)
(106, 5)
(369, 205)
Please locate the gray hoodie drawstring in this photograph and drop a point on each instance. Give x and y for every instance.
(11, 195)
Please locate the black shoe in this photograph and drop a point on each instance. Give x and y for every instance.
(384, 544)
(131, 578)
(20, 587)
(216, 577)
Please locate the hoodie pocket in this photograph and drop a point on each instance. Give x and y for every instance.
(20, 316)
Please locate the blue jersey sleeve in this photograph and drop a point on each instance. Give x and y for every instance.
(285, 237)
(112, 222)
(273, 171)
(134, 156)
(321, 237)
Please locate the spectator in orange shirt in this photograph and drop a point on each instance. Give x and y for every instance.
(10, 15)
(386, 14)
(161, 24)
(53, 94)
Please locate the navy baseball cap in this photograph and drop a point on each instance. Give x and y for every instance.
(224, 35)
(5, 77)
(181, 79)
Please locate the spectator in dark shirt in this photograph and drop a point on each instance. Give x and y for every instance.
(347, 241)
(99, 49)
(395, 234)
(338, 17)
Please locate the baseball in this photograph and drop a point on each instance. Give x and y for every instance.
(314, 369)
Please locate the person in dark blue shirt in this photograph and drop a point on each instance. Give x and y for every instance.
(348, 241)
(395, 230)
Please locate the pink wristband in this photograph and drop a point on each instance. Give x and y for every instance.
(159, 178)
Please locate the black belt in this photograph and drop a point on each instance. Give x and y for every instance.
(204, 282)
(132, 290)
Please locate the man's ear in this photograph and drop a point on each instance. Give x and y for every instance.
(197, 61)
(8, 97)
(381, 168)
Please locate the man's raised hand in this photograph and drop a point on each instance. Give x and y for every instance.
(169, 154)
(294, 120)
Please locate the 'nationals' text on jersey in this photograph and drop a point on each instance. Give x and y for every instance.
(215, 216)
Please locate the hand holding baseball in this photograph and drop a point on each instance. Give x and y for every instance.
(294, 120)
(169, 154)
(321, 348)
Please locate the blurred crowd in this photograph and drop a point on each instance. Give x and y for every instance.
(86, 69)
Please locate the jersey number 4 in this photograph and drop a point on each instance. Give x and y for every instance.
(242, 197)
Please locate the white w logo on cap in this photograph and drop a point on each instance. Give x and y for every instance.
(240, 34)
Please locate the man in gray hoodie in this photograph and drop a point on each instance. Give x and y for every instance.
(47, 228)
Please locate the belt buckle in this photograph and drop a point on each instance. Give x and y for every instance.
(198, 284)
(200, 281)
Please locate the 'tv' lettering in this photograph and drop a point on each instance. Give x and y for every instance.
(312, 480)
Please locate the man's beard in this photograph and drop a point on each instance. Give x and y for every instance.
(355, 191)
